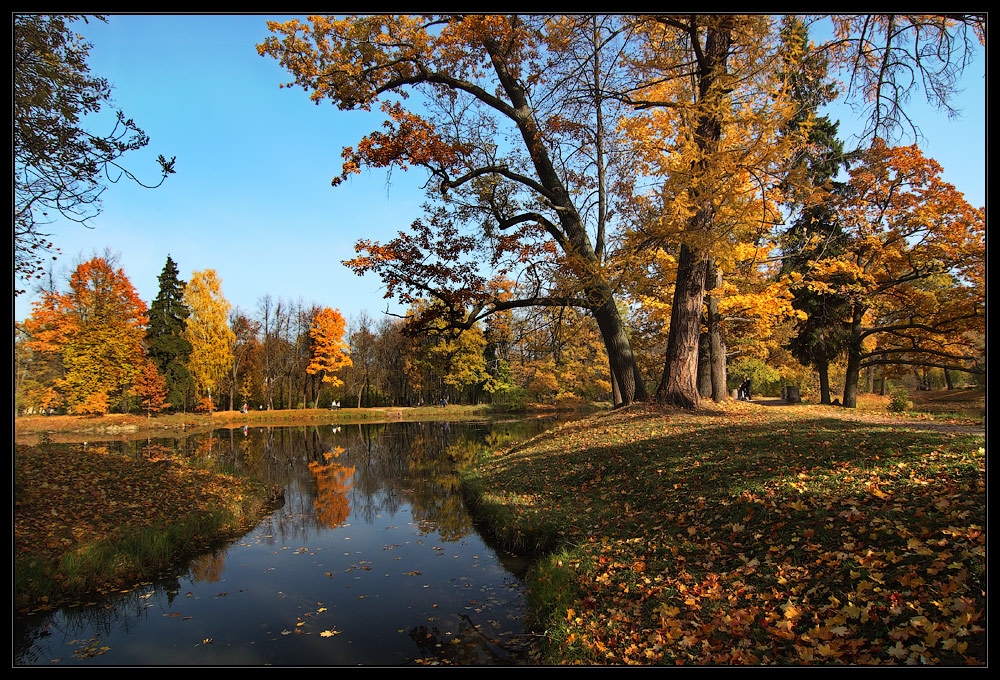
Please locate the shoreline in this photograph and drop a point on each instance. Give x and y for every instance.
(34, 430)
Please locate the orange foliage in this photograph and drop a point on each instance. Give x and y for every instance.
(330, 349)
(97, 328)
(333, 481)
(150, 387)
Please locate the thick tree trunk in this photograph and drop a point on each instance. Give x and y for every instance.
(824, 382)
(620, 357)
(678, 385)
(853, 360)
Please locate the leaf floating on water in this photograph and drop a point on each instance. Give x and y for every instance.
(329, 633)
(412, 573)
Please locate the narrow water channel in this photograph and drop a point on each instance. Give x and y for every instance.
(372, 560)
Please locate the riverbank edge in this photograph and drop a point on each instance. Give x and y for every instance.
(36, 429)
(84, 569)
(564, 558)
(539, 538)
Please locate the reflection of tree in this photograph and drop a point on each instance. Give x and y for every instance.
(468, 647)
(119, 611)
(333, 481)
(394, 465)
(208, 567)
(204, 447)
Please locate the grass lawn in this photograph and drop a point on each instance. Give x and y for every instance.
(748, 534)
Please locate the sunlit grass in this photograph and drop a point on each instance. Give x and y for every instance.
(748, 535)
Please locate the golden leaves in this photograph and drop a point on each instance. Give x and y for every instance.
(208, 329)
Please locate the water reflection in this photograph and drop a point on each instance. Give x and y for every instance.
(372, 560)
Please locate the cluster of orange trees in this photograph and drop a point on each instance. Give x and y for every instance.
(97, 347)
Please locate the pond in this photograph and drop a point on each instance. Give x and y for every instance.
(372, 560)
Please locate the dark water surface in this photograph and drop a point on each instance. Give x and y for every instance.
(372, 560)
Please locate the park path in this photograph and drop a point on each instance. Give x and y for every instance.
(874, 418)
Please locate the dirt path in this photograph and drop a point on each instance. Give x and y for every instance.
(878, 419)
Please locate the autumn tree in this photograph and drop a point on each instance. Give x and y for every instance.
(150, 387)
(208, 331)
(271, 314)
(498, 143)
(329, 350)
(712, 104)
(245, 346)
(166, 344)
(912, 268)
(717, 90)
(391, 361)
(97, 329)
(558, 354)
(60, 168)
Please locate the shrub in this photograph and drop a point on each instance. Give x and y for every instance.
(900, 401)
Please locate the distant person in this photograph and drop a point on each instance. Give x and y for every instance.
(245, 407)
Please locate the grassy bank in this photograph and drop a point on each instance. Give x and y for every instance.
(749, 534)
(84, 521)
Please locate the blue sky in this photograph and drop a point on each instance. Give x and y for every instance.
(252, 197)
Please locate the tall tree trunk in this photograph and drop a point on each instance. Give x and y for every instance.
(853, 359)
(576, 241)
(823, 368)
(705, 366)
(678, 385)
(717, 341)
(620, 357)
(947, 380)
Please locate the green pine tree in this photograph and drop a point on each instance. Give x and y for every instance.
(814, 228)
(167, 347)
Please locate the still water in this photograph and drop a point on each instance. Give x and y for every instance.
(372, 560)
